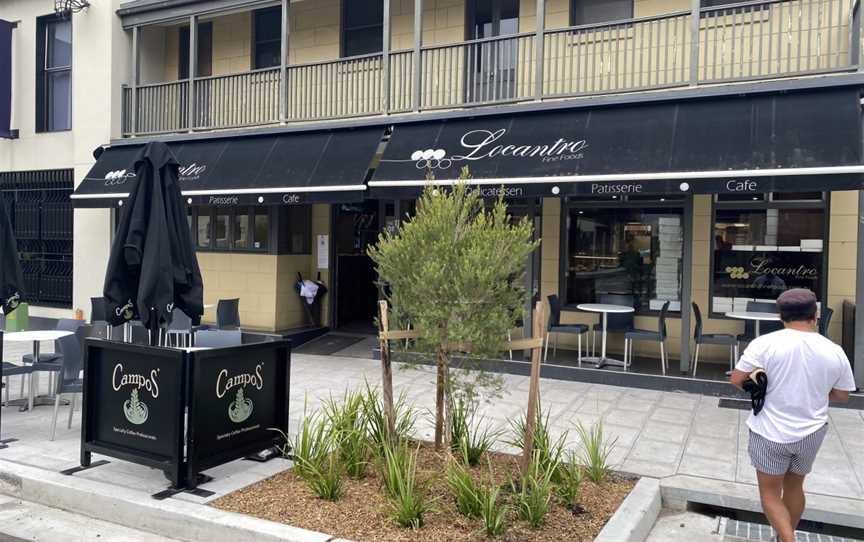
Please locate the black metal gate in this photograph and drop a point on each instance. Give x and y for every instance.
(41, 213)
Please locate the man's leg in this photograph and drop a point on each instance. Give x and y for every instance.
(771, 494)
(793, 496)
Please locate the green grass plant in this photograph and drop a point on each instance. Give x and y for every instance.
(595, 451)
(408, 501)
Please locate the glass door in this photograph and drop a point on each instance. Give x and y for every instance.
(492, 64)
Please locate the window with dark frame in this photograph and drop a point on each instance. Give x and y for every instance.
(362, 27)
(267, 38)
(248, 229)
(53, 73)
(204, 65)
(599, 11)
(764, 247)
(625, 248)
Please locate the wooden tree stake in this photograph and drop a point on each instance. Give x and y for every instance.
(386, 367)
(533, 388)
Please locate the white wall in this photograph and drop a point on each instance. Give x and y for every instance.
(100, 62)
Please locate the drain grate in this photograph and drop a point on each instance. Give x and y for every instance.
(737, 404)
(745, 530)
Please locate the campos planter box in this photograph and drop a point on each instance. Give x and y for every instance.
(183, 410)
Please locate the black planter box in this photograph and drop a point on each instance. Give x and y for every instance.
(183, 411)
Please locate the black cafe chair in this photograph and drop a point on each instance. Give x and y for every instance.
(658, 336)
(615, 322)
(825, 315)
(69, 378)
(228, 314)
(723, 339)
(99, 314)
(555, 326)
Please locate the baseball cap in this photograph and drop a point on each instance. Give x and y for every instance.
(796, 299)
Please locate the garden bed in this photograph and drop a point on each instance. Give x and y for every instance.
(363, 513)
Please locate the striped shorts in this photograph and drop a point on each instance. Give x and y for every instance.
(776, 458)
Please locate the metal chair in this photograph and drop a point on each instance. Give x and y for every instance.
(214, 338)
(180, 329)
(10, 369)
(228, 314)
(658, 336)
(63, 324)
(555, 326)
(825, 315)
(615, 323)
(69, 379)
(723, 339)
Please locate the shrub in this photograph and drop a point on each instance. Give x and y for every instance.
(326, 480)
(408, 502)
(548, 452)
(467, 440)
(312, 444)
(376, 421)
(464, 489)
(570, 480)
(348, 423)
(534, 493)
(492, 512)
(595, 451)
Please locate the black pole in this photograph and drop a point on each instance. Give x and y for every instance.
(154, 329)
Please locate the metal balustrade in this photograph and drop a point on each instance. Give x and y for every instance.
(736, 42)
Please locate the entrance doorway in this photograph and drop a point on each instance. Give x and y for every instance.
(492, 66)
(356, 227)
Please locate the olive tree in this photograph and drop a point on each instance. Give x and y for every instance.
(455, 271)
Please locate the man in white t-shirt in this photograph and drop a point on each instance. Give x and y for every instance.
(805, 371)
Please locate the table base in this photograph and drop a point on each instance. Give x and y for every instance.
(603, 362)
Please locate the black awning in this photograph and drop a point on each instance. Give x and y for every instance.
(292, 169)
(790, 141)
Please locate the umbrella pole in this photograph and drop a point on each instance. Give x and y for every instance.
(154, 331)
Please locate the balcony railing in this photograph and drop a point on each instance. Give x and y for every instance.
(738, 42)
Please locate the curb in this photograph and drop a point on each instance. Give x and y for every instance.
(678, 491)
(636, 516)
(181, 520)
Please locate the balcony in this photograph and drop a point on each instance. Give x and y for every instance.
(739, 42)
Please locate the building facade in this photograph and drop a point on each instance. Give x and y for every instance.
(306, 128)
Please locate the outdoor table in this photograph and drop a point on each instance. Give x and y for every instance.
(36, 337)
(604, 309)
(756, 317)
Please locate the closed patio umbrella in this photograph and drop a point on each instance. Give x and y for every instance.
(153, 267)
(11, 278)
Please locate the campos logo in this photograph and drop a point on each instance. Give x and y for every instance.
(118, 177)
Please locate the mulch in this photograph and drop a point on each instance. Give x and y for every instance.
(362, 513)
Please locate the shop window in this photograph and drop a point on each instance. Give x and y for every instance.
(53, 74)
(236, 229)
(267, 32)
(600, 11)
(362, 27)
(760, 252)
(295, 230)
(620, 250)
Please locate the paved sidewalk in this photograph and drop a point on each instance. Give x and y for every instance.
(658, 434)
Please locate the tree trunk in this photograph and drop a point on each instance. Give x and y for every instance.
(386, 369)
(439, 398)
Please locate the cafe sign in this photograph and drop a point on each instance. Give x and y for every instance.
(765, 274)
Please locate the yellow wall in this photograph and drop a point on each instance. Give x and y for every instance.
(841, 276)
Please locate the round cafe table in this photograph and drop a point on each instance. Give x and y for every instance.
(755, 317)
(604, 309)
(35, 337)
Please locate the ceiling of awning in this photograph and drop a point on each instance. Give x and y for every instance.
(311, 167)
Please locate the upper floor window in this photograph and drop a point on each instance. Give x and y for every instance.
(204, 64)
(267, 36)
(600, 11)
(53, 73)
(362, 27)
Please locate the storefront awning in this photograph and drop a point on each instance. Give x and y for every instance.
(290, 169)
(781, 142)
